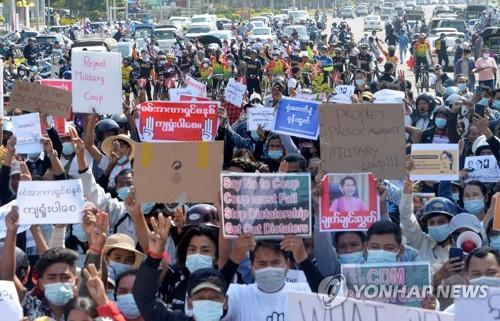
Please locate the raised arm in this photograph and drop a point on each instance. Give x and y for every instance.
(89, 138)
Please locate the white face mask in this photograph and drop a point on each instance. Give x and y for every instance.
(486, 55)
(270, 279)
(486, 280)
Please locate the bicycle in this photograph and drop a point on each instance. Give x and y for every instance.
(422, 77)
(218, 80)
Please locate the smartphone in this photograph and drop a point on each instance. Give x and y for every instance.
(479, 109)
(456, 252)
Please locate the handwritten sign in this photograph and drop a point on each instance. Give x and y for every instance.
(266, 205)
(435, 162)
(58, 83)
(388, 96)
(480, 307)
(50, 202)
(482, 168)
(31, 96)
(260, 116)
(198, 88)
(9, 302)
(27, 130)
(349, 202)
(178, 121)
(192, 98)
(97, 82)
(369, 281)
(343, 94)
(298, 118)
(496, 219)
(4, 211)
(234, 92)
(363, 138)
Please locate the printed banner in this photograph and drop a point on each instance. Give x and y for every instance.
(191, 98)
(178, 121)
(298, 118)
(234, 92)
(4, 210)
(343, 94)
(266, 205)
(28, 133)
(402, 283)
(360, 138)
(97, 82)
(10, 306)
(58, 83)
(50, 202)
(435, 162)
(197, 88)
(388, 96)
(260, 116)
(482, 168)
(349, 202)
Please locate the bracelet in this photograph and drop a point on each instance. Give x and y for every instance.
(155, 255)
(93, 249)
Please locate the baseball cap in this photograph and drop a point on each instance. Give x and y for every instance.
(465, 220)
(206, 279)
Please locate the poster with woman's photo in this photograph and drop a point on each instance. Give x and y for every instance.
(349, 202)
(435, 162)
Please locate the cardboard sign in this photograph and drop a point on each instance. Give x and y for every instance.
(234, 92)
(192, 98)
(178, 121)
(9, 302)
(97, 82)
(349, 202)
(298, 118)
(27, 130)
(198, 88)
(58, 83)
(343, 94)
(50, 202)
(371, 281)
(266, 205)
(435, 162)
(4, 211)
(32, 96)
(322, 307)
(388, 96)
(482, 168)
(260, 116)
(480, 307)
(360, 138)
(170, 172)
(496, 218)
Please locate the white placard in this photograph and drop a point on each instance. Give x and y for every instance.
(389, 96)
(260, 116)
(234, 92)
(10, 307)
(4, 210)
(296, 276)
(176, 93)
(482, 168)
(50, 202)
(28, 133)
(481, 307)
(97, 82)
(198, 88)
(435, 162)
(343, 94)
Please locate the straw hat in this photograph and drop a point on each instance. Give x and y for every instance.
(124, 242)
(107, 144)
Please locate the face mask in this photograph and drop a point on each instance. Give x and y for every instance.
(495, 242)
(110, 294)
(275, 154)
(492, 281)
(483, 101)
(381, 256)
(474, 206)
(33, 157)
(462, 86)
(147, 207)
(119, 268)
(486, 55)
(122, 192)
(205, 65)
(122, 160)
(79, 233)
(67, 148)
(440, 123)
(255, 135)
(58, 293)
(496, 104)
(207, 310)
(126, 305)
(195, 262)
(455, 196)
(360, 82)
(354, 258)
(270, 279)
(439, 233)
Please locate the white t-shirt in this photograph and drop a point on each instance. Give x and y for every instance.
(115, 171)
(294, 84)
(73, 168)
(247, 302)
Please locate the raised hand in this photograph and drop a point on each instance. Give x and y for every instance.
(11, 220)
(159, 236)
(47, 145)
(100, 234)
(294, 244)
(94, 285)
(133, 207)
(89, 220)
(77, 142)
(11, 145)
(206, 131)
(243, 244)
(25, 173)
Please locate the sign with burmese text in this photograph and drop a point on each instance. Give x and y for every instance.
(266, 205)
(299, 118)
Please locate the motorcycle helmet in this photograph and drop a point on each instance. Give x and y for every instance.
(438, 206)
(106, 126)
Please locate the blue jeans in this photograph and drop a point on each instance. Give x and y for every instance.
(490, 83)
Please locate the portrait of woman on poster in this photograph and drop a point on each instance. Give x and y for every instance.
(348, 202)
(446, 162)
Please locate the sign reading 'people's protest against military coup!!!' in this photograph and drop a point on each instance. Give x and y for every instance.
(266, 205)
(360, 138)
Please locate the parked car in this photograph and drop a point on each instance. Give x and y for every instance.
(301, 30)
(458, 24)
(199, 29)
(347, 12)
(166, 38)
(262, 33)
(372, 23)
(361, 11)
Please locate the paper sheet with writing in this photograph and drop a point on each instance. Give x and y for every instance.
(389, 96)
(4, 211)
(28, 133)
(435, 162)
(482, 168)
(343, 94)
(10, 308)
(234, 92)
(198, 88)
(260, 116)
(480, 307)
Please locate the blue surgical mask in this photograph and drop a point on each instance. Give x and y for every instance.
(381, 256)
(455, 196)
(110, 293)
(122, 160)
(439, 233)
(440, 122)
(58, 293)
(207, 310)
(475, 206)
(67, 148)
(255, 135)
(462, 87)
(270, 279)
(127, 306)
(147, 207)
(496, 104)
(359, 82)
(195, 262)
(275, 154)
(495, 242)
(483, 101)
(492, 281)
(123, 192)
(78, 232)
(119, 268)
(351, 258)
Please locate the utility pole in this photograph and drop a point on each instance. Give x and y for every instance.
(13, 14)
(37, 13)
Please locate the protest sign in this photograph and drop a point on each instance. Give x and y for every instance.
(1, 89)
(484, 307)
(363, 138)
(176, 93)
(298, 118)
(343, 94)
(192, 98)
(349, 202)
(266, 205)
(4, 210)
(28, 133)
(435, 162)
(32, 96)
(496, 218)
(482, 168)
(388, 96)
(9, 302)
(322, 307)
(50, 202)
(296, 276)
(97, 82)
(170, 172)
(197, 88)
(58, 83)
(178, 121)
(260, 116)
(402, 283)
(234, 92)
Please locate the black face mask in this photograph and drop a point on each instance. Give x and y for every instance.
(306, 152)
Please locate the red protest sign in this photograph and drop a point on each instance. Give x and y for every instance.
(178, 121)
(58, 83)
(192, 98)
